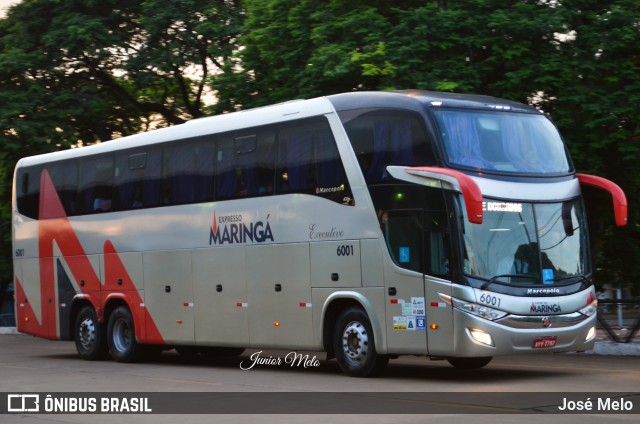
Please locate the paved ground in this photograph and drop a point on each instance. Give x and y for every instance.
(604, 345)
(29, 364)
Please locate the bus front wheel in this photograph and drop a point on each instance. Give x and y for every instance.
(354, 345)
(121, 336)
(89, 335)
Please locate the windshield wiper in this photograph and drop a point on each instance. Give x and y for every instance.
(494, 279)
(585, 281)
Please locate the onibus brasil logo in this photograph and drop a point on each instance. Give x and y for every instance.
(232, 229)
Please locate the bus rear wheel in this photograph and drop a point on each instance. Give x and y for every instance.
(469, 363)
(354, 345)
(89, 335)
(121, 336)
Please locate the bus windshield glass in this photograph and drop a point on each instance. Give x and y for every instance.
(502, 142)
(526, 244)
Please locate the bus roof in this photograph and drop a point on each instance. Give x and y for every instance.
(419, 99)
(408, 99)
(196, 128)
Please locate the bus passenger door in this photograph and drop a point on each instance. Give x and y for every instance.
(404, 281)
(168, 294)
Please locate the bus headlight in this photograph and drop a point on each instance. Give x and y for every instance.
(590, 309)
(479, 310)
(481, 337)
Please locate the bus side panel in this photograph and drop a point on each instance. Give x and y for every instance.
(168, 292)
(31, 316)
(405, 311)
(439, 318)
(220, 289)
(372, 263)
(279, 298)
(335, 264)
(120, 267)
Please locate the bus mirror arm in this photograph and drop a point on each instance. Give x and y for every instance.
(456, 180)
(618, 196)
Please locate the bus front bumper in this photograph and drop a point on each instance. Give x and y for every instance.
(478, 337)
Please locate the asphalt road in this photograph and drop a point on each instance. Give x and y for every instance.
(30, 365)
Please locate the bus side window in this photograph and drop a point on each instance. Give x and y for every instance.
(137, 182)
(309, 162)
(265, 163)
(403, 232)
(226, 180)
(415, 227)
(188, 172)
(28, 192)
(417, 240)
(96, 185)
(294, 159)
(383, 137)
(245, 164)
(437, 244)
(65, 179)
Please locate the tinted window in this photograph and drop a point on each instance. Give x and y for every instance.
(382, 137)
(137, 179)
(296, 157)
(309, 162)
(64, 176)
(415, 226)
(28, 191)
(188, 171)
(245, 164)
(96, 185)
(502, 142)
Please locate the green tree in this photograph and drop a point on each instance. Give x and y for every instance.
(596, 104)
(76, 72)
(301, 49)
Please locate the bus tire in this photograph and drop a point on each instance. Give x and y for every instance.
(89, 335)
(354, 344)
(469, 363)
(121, 336)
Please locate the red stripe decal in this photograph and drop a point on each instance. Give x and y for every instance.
(54, 226)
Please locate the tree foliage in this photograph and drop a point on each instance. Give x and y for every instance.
(84, 71)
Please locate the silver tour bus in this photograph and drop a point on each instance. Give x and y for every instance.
(365, 225)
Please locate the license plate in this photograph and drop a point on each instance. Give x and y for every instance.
(544, 343)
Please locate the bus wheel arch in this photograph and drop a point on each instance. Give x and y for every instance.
(331, 314)
(88, 333)
(334, 305)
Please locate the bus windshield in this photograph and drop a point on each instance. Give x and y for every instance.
(526, 243)
(502, 142)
